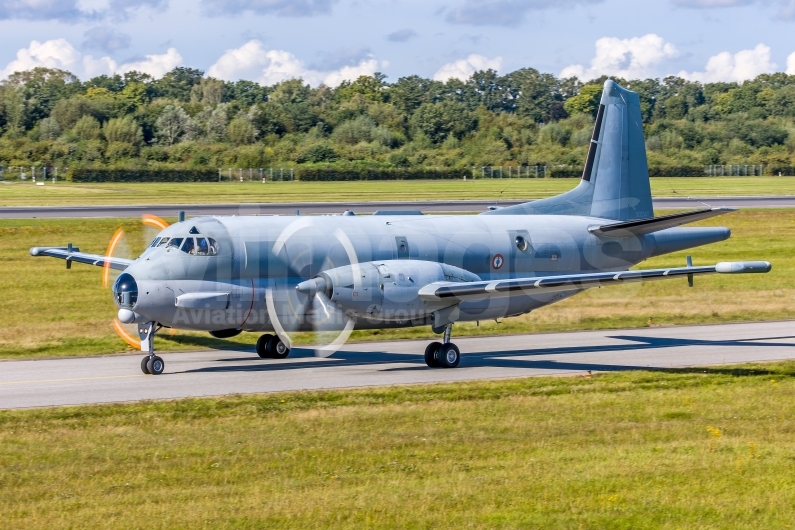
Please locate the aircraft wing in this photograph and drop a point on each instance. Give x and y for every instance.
(568, 282)
(655, 224)
(71, 254)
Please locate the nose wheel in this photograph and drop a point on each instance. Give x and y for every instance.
(151, 364)
(443, 355)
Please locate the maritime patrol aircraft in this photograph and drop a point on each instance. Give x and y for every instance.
(276, 275)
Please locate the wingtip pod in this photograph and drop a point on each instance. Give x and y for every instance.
(743, 267)
(34, 251)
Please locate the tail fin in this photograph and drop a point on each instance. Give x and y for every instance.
(615, 181)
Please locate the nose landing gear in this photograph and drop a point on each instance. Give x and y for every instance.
(151, 364)
(443, 355)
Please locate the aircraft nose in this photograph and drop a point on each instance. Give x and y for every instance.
(125, 291)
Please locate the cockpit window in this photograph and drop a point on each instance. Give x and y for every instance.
(213, 246)
(175, 242)
(202, 248)
(163, 242)
(155, 242)
(189, 247)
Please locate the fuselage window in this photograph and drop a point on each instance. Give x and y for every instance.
(189, 247)
(163, 242)
(203, 249)
(175, 242)
(155, 242)
(213, 246)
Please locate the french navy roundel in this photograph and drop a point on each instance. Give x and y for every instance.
(497, 261)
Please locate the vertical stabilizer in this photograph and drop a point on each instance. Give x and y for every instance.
(616, 165)
(615, 180)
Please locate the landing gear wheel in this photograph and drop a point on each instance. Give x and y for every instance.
(155, 365)
(277, 349)
(144, 369)
(448, 356)
(430, 354)
(262, 346)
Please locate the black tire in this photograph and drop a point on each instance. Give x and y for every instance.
(277, 349)
(155, 365)
(262, 346)
(430, 354)
(448, 356)
(144, 361)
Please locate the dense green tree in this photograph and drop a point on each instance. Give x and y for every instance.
(439, 120)
(241, 132)
(123, 130)
(586, 102)
(178, 83)
(87, 128)
(172, 125)
(521, 117)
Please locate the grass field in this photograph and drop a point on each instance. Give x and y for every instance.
(711, 448)
(69, 194)
(48, 311)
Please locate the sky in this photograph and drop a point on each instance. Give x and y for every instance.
(329, 41)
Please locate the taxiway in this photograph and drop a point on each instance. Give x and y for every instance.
(49, 382)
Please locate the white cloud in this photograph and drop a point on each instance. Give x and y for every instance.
(743, 65)
(268, 67)
(791, 64)
(349, 73)
(59, 53)
(154, 65)
(628, 58)
(464, 68)
(56, 53)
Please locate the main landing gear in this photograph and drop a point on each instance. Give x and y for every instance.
(443, 354)
(151, 364)
(272, 347)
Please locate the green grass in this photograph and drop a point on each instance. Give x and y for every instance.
(73, 194)
(694, 448)
(48, 311)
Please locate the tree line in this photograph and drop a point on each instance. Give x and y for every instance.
(187, 120)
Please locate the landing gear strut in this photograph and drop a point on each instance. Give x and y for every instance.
(443, 354)
(151, 364)
(272, 347)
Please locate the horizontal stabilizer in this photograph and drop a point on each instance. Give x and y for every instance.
(655, 224)
(574, 282)
(71, 254)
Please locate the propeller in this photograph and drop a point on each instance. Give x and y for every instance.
(309, 302)
(118, 248)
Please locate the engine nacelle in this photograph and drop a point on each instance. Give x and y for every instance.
(385, 290)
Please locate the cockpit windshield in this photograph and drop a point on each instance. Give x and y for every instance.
(203, 247)
(175, 242)
(188, 247)
(199, 246)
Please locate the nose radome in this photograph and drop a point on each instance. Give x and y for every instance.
(125, 291)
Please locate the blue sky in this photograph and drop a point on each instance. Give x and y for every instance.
(331, 40)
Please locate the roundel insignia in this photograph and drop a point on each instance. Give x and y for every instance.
(497, 261)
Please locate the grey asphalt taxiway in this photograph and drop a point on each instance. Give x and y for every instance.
(49, 382)
(326, 208)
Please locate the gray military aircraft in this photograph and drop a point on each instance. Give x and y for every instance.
(278, 274)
